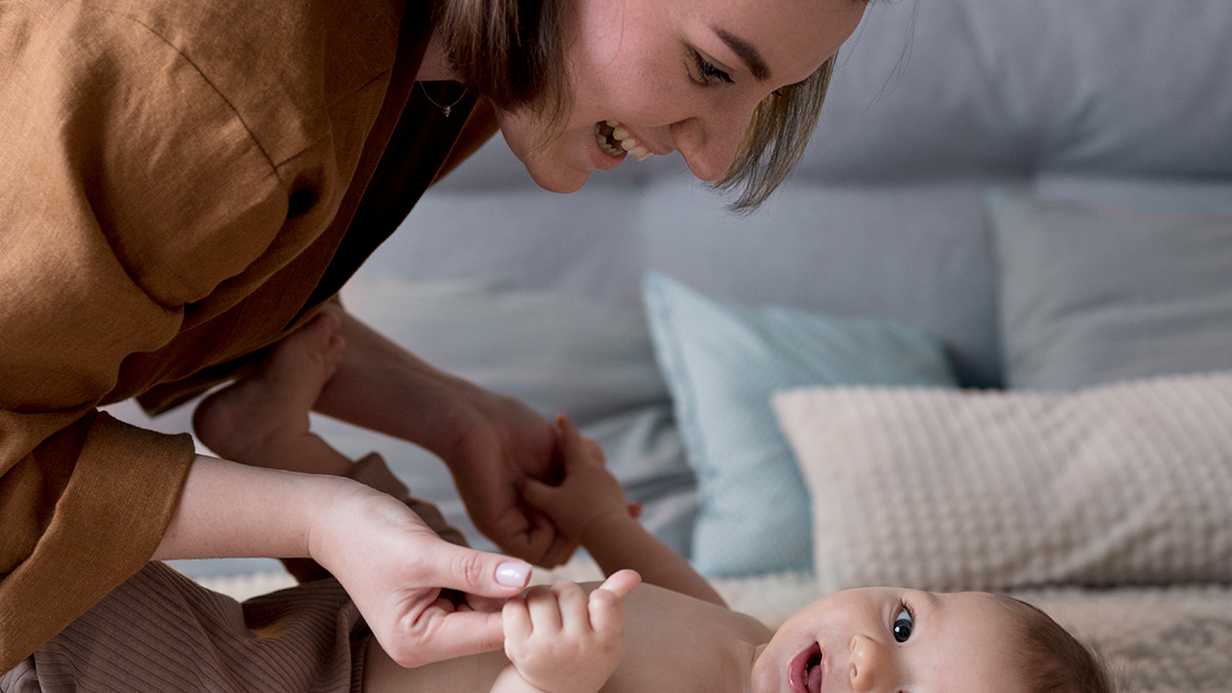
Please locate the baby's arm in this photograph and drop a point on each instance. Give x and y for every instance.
(560, 640)
(590, 508)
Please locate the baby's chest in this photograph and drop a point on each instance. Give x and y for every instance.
(676, 681)
(651, 666)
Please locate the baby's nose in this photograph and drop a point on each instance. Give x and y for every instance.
(869, 663)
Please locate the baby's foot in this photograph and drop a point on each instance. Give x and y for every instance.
(249, 417)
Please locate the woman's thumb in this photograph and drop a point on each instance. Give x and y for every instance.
(477, 572)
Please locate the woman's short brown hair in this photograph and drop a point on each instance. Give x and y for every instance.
(513, 52)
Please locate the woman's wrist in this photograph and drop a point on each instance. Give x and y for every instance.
(267, 512)
(383, 387)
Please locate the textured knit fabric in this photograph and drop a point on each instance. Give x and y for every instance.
(180, 181)
(1154, 640)
(1122, 484)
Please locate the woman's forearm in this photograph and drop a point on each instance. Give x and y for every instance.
(383, 387)
(228, 509)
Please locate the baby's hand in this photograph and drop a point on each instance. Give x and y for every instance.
(561, 641)
(588, 491)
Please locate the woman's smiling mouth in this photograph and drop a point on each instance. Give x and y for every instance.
(614, 139)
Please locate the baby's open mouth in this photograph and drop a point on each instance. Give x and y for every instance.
(805, 672)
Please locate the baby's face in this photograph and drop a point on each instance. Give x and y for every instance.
(893, 640)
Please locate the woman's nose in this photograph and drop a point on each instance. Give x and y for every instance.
(871, 664)
(710, 144)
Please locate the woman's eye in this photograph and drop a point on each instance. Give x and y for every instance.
(708, 72)
(904, 622)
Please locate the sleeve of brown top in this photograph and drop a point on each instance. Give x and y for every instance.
(128, 189)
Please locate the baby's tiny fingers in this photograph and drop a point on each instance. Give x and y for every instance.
(622, 582)
(544, 609)
(515, 620)
(573, 606)
(607, 613)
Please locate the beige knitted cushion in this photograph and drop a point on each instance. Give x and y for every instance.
(1156, 640)
(940, 489)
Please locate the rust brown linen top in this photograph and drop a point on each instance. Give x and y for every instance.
(180, 184)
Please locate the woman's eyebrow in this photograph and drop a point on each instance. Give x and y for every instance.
(746, 52)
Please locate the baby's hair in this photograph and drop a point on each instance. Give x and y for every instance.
(1052, 660)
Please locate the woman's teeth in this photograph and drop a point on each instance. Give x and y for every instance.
(614, 140)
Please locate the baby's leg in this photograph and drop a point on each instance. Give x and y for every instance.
(263, 419)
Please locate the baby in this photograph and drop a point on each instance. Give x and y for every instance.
(672, 632)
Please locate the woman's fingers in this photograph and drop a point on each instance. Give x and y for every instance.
(471, 571)
(459, 634)
(561, 551)
(521, 532)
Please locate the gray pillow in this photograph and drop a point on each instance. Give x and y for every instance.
(1093, 295)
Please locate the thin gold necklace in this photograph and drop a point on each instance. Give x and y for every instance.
(444, 109)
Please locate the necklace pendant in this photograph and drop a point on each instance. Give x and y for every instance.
(447, 109)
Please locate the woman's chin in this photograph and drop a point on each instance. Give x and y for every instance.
(556, 179)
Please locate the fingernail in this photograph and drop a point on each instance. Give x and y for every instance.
(512, 574)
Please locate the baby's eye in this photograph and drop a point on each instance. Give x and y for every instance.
(904, 622)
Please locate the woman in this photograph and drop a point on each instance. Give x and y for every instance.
(186, 184)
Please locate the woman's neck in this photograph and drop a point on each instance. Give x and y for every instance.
(435, 64)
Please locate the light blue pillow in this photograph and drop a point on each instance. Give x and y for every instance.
(722, 364)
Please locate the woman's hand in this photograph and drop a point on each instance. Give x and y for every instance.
(394, 567)
(588, 491)
(499, 444)
(490, 443)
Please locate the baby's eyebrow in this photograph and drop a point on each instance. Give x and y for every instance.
(934, 607)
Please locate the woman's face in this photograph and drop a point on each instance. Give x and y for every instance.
(675, 75)
(878, 639)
